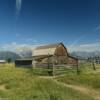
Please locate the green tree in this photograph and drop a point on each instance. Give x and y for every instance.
(9, 60)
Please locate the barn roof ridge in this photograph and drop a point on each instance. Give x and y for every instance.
(48, 46)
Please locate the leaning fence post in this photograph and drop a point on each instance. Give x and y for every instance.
(53, 70)
(93, 66)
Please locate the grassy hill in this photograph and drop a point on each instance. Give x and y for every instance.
(23, 84)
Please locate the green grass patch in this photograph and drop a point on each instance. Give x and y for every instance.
(87, 77)
(24, 84)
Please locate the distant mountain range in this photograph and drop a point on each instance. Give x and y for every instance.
(28, 54)
(25, 54)
(4, 55)
(85, 54)
(78, 54)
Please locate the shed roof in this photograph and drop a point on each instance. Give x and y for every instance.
(2, 61)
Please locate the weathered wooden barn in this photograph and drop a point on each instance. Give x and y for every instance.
(53, 54)
(72, 61)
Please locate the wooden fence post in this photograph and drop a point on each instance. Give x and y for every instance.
(48, 61)
(93, 66)
(77, 68)
(53, 70)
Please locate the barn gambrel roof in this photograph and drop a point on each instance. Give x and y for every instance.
(46, 49)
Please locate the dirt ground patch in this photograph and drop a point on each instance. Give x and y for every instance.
(3, 87)
(85, 90)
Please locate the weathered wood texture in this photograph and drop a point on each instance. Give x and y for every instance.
(53, 54)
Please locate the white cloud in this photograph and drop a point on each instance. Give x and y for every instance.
(30, 47)
(18, 6)
(85, 47)
(31, 40)
(27, 38)
(17, 47)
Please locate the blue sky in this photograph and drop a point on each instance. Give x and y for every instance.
(35, 22)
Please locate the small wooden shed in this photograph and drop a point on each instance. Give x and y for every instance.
(2, 61)
(52, 54)
(23, 63)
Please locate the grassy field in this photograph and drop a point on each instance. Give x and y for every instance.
(26, 84)
(87, 77)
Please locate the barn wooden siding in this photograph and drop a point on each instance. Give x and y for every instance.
(53, 54)
(72, 61)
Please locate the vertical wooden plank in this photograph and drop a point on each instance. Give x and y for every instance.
(77, 68)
